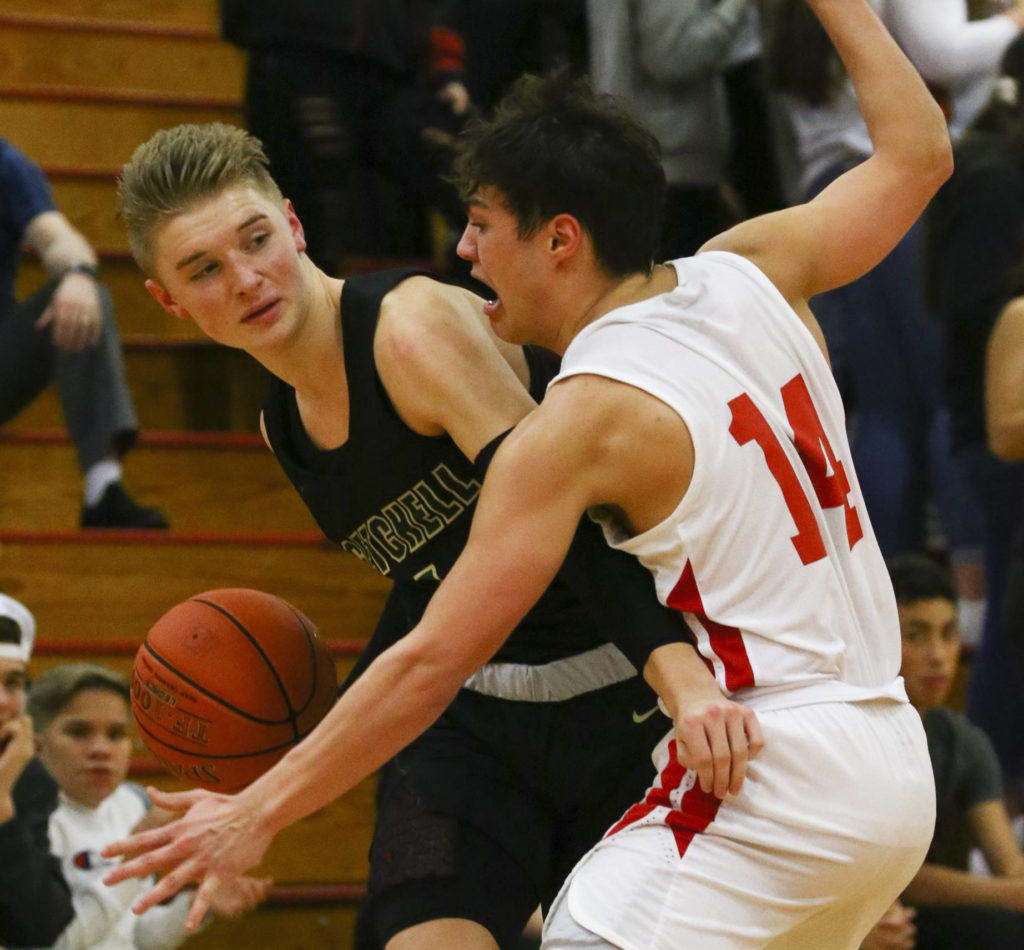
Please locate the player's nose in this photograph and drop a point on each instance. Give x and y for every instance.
(466, 248)
(244, 277)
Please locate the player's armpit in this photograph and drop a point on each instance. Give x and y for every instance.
(614, 587)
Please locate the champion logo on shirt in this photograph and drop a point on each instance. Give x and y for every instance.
(90, 860)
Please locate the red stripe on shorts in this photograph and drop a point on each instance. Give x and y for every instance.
(726, 642)
(696, 809)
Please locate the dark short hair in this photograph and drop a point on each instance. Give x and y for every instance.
(58, 686)
(917, 577)
(553, 146)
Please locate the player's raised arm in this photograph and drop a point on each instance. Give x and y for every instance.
(852, 224)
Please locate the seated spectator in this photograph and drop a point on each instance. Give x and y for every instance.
(35, 903)
(955, 908)
(65, 333)
(80, 713)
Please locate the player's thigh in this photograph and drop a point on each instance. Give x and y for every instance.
(479, 893)
(446, 934)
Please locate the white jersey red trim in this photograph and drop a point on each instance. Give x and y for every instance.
(770, 554)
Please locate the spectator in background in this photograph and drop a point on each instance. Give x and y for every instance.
(955, 908)
(340, 93)
(974, 250)
(887, 348)
(81, 717)
(755, 163)
(35, 903)
(666, 60)
(506, 38)
(65, 332)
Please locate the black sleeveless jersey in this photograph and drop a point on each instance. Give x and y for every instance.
(401, 501)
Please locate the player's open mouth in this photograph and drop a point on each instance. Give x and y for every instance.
(491, 306)
(259, 311)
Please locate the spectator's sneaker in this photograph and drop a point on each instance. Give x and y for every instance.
(117, 509)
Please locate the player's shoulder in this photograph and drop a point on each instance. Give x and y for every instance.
(421, 316)
(420, 296)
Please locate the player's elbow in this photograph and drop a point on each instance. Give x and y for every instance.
(921, 154)
(941, 161)
(936, 151)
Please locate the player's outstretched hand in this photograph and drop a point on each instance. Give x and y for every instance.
(716, 738)
(218, 839)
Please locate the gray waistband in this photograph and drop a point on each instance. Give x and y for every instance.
(556, 681)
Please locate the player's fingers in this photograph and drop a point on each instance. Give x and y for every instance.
(176, 801)
(137, 844)
(755, 738)
(717, 726)
(166, 888)
(694, 752)
(737, 734)
(201, 902)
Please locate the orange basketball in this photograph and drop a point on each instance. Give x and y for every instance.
(227, 682)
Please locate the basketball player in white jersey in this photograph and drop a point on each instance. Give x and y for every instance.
(696, 416)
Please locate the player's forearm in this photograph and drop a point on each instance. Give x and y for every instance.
(678, 674)
(395, 700)
(907, 128)
(402, 692)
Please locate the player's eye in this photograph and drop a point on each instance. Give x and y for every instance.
(206, 269)
(15, 682)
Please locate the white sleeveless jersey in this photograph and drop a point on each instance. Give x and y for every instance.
(769, 555)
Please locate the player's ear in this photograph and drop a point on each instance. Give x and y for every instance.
(162, 297)
(298, 233)
(565, 234)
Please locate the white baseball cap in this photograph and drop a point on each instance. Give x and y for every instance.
(26, 625)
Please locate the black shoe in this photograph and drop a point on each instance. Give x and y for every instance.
(117, 509)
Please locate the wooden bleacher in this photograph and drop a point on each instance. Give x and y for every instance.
(82, 82)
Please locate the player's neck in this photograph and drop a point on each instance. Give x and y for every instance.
(613, 293)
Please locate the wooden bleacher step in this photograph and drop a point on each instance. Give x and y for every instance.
(89, 584)
(198, 16)
(57, 55)
(217, 482)
(97, 133)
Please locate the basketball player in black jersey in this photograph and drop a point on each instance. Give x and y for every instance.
(390, 392)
